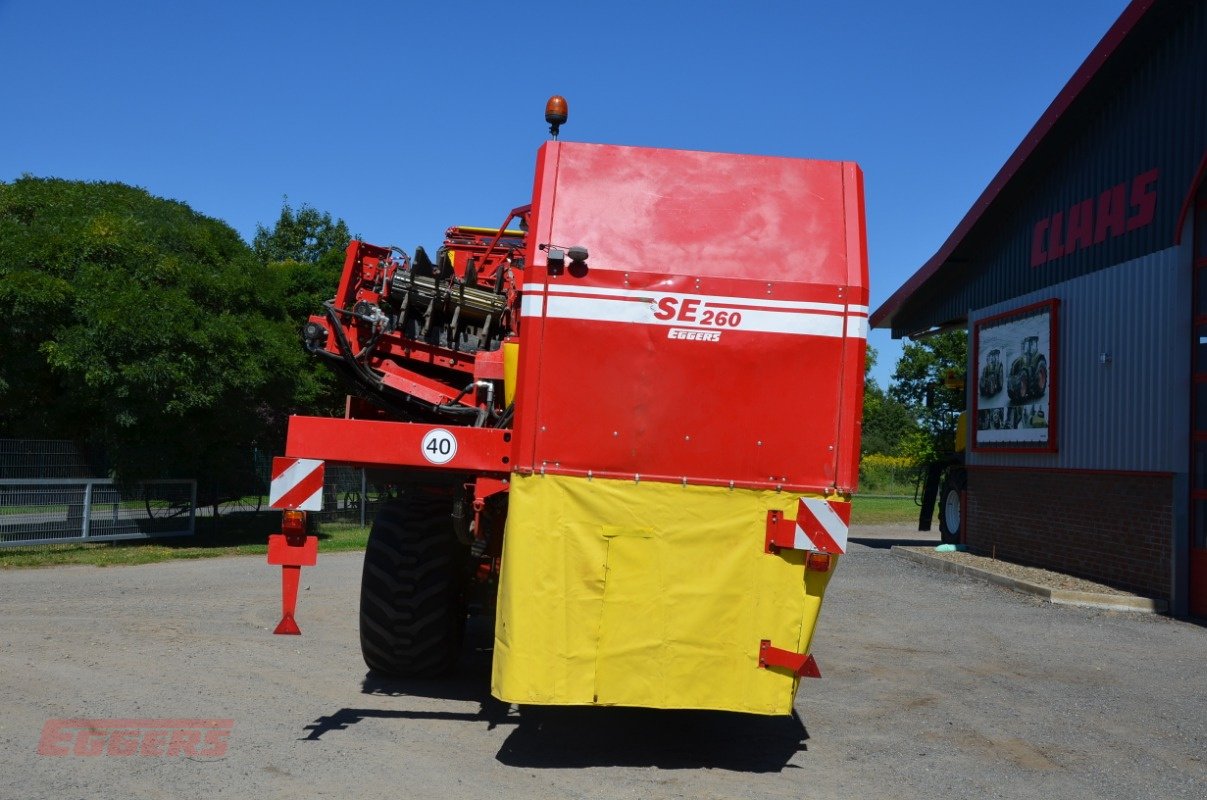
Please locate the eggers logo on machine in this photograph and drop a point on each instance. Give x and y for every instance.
(694, 334)
(195, 738)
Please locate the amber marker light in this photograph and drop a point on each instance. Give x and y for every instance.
(818, 562)
(556, 113)
(293, 523)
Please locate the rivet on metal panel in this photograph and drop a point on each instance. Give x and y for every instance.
(615, 433)
(831, 447)
(760, 443)
(768, 288)
(542, 429)
(687, 437)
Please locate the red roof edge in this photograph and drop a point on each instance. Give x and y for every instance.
(1199, 175)
(1081, 78)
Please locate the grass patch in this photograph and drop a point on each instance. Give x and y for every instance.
(247, 534)
(883, 510)
(232, 535)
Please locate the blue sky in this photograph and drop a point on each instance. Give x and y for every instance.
(406, 117)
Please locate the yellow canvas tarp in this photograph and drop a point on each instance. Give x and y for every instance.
(647, 594)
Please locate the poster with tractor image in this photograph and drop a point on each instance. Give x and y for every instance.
(1014, 387)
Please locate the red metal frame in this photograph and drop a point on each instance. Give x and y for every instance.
(291, 553)
(410, 366)
(1196, 557)
(376, 443)
(802, 665)
(1200, 174)
(1051, 446)
(780, 533)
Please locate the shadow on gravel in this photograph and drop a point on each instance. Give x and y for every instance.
(885, 544)
(575, 737)
(550, 737)
(470, 683)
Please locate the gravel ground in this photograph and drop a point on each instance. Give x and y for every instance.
(934, 686)
(1036, 575)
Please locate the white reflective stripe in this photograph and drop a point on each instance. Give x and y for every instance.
(601, 310)
(297, 472)
(857, 327)
(802, 542)
(532, 288)
(530, 305)
(858, 309)
(635, 311)
(829, 520)
(312, 503)
(723, 301)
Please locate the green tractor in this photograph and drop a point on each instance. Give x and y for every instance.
(990, 383)
(944, 481)
(1028, 374)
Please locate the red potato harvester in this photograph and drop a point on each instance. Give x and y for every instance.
(625, 422)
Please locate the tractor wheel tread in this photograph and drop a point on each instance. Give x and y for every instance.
(954, 483)
(412, 610)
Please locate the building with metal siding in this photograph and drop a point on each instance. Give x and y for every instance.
(1095, 210)
(1110, 417)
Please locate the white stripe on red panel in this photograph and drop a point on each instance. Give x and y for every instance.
(297, 483)
(819, 527)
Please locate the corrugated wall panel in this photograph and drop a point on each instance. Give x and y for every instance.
(1130, 415)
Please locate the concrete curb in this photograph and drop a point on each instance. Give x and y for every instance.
(1113, 602)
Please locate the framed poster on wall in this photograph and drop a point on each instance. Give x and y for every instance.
(1015, 382)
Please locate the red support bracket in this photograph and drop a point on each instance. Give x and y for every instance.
(799, 664)
(781, 533)
(485, 487)
(292, 553)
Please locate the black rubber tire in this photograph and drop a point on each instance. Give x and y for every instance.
(412, 605)
(951, 506)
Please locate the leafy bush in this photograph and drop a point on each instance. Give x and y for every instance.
(884, 474)
(138, 326)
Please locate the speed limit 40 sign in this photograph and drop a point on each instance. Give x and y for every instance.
(439, 446)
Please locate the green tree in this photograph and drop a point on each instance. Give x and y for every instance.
(134, 324)
(307, 236)
(918, 383)
(887, 422)
(304, 250)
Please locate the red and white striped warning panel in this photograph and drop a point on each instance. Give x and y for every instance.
(297, 484)
(822, 526)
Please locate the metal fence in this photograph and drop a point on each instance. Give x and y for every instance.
(43, 458)
(48, 494)
(350, 496)
(56, 510)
